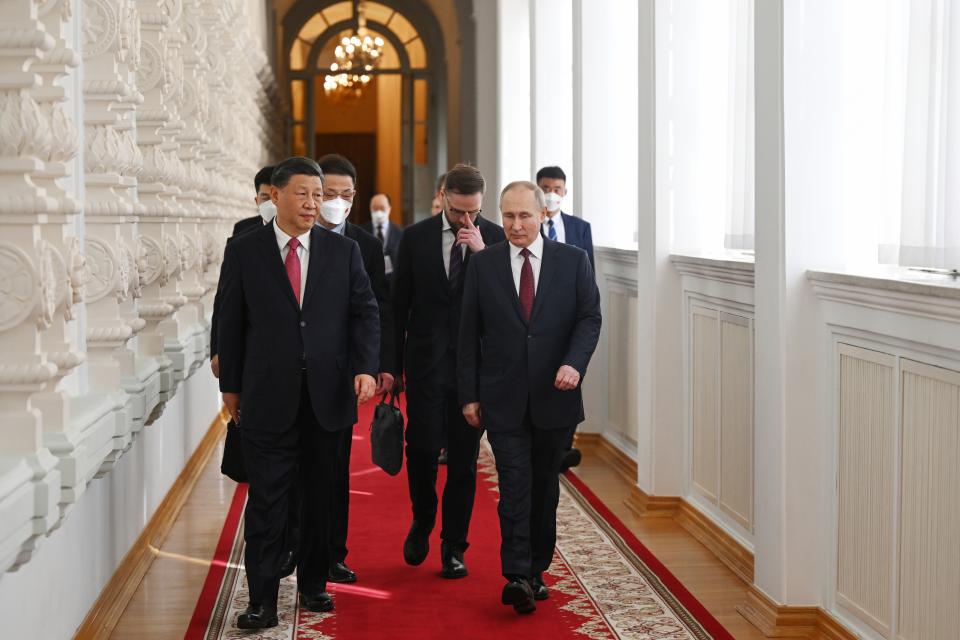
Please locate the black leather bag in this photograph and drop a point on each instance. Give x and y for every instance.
(232, 463)
(386, 435)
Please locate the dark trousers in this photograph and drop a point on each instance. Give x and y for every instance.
(301, 457)
(463, 446)
(341, 498)
(571, 432)
(340, 516)
(528, 466)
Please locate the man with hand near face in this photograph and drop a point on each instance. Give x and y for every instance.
(534, 306)
(433, 256)
(299, 342)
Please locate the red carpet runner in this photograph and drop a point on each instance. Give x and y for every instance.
(604, 584)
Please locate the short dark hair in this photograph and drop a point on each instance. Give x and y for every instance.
(554, 173)
(333, 164)
(440, 180)
(262, 177)
(295, 166)
(464, 179)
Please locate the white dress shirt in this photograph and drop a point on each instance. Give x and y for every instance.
(447, 238)
(303, 252)
(516, 262)
(557, 225)
(386, 231)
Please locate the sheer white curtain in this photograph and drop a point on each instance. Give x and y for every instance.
(922, 217)
(740, 129)
(705, 122)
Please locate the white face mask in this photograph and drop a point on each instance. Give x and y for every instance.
(335, 211)
(378, 216)
(268, 211)
(553, 201)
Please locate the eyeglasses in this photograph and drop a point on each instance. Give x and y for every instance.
(459, 212)
(346, 194)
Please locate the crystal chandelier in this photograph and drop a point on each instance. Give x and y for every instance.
(357, 56)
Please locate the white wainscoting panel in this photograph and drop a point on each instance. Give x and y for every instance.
(705, 400)
(736, 418)
(720, 380)
(622, 366)
(867, 438)
(930, 499)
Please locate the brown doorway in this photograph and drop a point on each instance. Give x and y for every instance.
(361, 150)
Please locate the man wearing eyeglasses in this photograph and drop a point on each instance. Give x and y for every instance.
(428, 287)
(339, 190)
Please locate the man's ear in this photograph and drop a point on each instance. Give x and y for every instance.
(274, 194)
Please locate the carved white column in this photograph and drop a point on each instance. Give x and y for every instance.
(62, 435)
(112, 161)
(29, 478)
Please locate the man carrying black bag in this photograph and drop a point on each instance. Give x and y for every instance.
(386, 435)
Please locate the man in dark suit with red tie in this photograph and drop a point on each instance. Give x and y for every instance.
(427, 291)
(529, 325)
(299, 340)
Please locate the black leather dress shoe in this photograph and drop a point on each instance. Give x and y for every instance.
(570, 459)
(540, 591)
(417, 545)
(289, 564)
(316, 602)
(257, 616)
(519, 594)
(452, 558)
(341, 573)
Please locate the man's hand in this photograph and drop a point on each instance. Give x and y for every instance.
(567, 378)
(384, 383)
(215, 365)
(232, 402)
(470, 236)
(364, 386)
(471, 413)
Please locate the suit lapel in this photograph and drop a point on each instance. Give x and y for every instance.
(440, 269)
(274, 262)
(548, 267)
(318, 237)
(505, 273)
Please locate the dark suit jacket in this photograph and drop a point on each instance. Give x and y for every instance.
(508, 365)
(247, 224)
(578, 234)
(392, 249)
(266, 340)
(427, 309)
(242, 227)
(372, 253)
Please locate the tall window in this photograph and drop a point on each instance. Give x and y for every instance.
(705, 122)
(921, 225)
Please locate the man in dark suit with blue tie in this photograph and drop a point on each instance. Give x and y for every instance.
(299, 342)
(530, 322)
(427, 290)
(561, 227)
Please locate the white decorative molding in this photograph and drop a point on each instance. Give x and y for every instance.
(724, 269)
(19, 286)
(103, 269)
(896, 290)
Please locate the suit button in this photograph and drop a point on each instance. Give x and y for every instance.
(529, 336)
(303, 323)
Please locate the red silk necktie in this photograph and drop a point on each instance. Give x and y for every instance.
(526, 286)
(292, 264)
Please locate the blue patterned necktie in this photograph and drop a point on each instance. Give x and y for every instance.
(551, 231)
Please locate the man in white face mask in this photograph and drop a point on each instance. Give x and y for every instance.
(339, 190)
(561, 227)
(388, 233)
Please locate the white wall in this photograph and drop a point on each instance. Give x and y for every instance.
(77, 560)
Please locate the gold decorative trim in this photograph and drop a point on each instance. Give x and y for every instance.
(106, 611)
